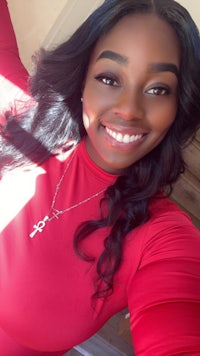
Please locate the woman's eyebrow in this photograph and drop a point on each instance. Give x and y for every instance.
(154, 67)
(114, 56)
(164, 67)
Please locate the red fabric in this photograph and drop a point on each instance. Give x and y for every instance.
(13, 75)
(10, 64)
(45, 289)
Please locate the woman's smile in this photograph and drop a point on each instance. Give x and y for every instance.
(130, 92)
(123, 138)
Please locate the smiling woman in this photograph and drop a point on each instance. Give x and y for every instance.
(130, 92)
(91, 162)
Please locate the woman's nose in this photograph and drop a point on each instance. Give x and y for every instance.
(129, 105)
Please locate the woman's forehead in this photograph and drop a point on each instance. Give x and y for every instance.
(146, 33)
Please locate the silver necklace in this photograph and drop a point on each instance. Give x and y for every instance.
(55, 213)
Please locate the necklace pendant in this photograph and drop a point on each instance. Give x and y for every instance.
(39, 227)
(55, 214)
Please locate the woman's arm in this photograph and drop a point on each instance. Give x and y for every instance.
(164, 294)
(11, 66)
(13, 75)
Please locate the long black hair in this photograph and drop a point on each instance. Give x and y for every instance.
(56, 118)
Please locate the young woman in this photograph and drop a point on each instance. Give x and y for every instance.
(86, 226)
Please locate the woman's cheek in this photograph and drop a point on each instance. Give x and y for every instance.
(86, 121)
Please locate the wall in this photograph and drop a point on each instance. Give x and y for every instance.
(32, 22)
(193, 6)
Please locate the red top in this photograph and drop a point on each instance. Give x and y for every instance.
(45, 289)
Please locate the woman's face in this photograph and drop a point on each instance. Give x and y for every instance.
(130, 92)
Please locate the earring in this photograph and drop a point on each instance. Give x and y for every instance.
(81, 99)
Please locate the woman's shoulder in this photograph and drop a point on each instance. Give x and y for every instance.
(169, 233)
(165, 214)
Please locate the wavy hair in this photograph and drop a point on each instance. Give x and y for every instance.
(56, 119)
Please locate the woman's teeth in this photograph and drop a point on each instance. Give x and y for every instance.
(123, 138)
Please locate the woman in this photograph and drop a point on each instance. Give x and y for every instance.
(87, 229)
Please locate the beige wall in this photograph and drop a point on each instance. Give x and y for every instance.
(32, 21)
(193, 6)
(45, 22)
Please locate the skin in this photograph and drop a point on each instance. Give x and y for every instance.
(131, 91)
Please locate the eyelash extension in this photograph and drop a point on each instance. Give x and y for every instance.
(160, 87)
(107, 77)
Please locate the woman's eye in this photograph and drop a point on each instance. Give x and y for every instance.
(107, 80)
(158, 91)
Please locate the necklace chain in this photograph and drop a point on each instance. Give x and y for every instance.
(54, 213)
(60, 181)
